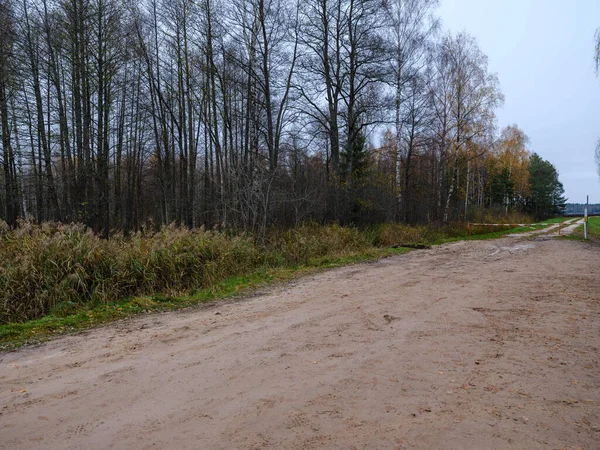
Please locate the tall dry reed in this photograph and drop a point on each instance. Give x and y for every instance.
(54, 267)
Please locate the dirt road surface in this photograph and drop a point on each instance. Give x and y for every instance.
(471, 345)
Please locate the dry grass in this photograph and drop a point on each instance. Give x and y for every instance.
(56, 268)
(298, 245)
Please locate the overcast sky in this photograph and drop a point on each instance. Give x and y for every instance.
(542, 51)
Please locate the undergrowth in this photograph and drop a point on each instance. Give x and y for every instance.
(59, 275)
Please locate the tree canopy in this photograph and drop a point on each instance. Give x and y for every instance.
(248, 114)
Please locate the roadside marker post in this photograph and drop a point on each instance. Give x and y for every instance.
(585, 218)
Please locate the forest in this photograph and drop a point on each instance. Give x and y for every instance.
(249, 114)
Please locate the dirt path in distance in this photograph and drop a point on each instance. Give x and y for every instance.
(471, 345)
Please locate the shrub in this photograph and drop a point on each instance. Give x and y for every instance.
(397, 234)
(53, 266)
(311, 241)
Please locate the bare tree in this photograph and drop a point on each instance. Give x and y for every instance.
(412, 27)
(322, 79)
(240, 113)
(465, 96)
(597, 50)
(597, 157)
(8, 155)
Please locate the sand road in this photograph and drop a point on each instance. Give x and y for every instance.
(471, 345)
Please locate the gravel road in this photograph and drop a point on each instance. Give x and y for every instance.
(470, 345)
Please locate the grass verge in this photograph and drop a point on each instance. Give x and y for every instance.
(593, 230)
(15, 335)
(558, 220)
(69, 317)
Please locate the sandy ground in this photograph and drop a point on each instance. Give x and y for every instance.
(471, 345)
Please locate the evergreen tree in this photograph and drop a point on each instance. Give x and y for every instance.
(547, 192)
(502, 188)
(354, 168)
(355, 161)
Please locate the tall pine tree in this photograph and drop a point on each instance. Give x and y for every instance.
(547, 192)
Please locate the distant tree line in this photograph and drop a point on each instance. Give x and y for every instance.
(579, 208)
(250, 113)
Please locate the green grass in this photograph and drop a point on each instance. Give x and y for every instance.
(498, 233)
(481, 237)
(593, 230)
(245, 268)
(556, 220)
(594, 227)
